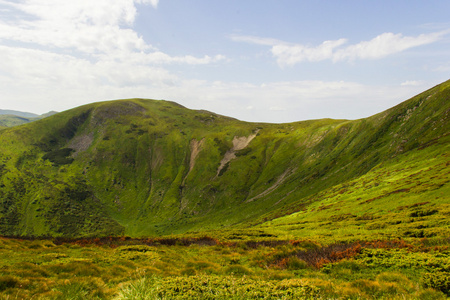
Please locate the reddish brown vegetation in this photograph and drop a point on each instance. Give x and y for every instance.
(316, 257)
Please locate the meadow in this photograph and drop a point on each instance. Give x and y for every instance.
(201, 267)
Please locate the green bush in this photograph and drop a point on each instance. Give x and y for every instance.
(237, 270)
(217, 287)
(437, 280)
(59, 157)
(7, 282)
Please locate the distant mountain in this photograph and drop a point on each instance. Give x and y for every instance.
(48, 114)
(18, 113)
(146, 167)
(10, 118)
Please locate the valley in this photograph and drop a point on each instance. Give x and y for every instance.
(164, 197)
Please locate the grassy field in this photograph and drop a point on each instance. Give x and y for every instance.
(206, 268)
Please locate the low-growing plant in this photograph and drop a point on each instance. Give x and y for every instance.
(142, 288)
(437, 280)
(7, 282)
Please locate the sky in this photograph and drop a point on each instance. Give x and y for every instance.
(259, 61)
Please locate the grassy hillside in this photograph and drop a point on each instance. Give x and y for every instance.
(144, 167)
(10, 118)
(18, 113)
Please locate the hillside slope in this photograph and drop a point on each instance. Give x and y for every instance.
(10, 118)
(145, 167)
(18, 113)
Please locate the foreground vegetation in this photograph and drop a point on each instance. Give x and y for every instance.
(205, 268)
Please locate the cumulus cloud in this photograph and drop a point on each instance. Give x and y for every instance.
(84, 25)
(154, 3)
(288, 54)
(65, 53)
(95, 28)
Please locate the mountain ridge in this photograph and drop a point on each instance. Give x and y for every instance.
(10, 118)
(150, 167)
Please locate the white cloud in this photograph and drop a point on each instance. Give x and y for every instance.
(68, 53)
(154, 3)
(96, 28)
(58, 82)
(291, 55)
(159, 57)
(288, 54)
(31, 66)
(383, 45)
(87, 26)
(87, 51)
(255, 40)
(411, 83)
(302, 100)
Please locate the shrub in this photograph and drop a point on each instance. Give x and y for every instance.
(423, 213)
(7, 282)
(430, 294)
(437, 280)
(367, 286)
(237, 270)
(217, 287)
(295, 263)
(332, 253)
(59, 157)
(393, 277)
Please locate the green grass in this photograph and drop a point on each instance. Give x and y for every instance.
(172, 268)
(124, 167)
(393, 200)
(11, 120)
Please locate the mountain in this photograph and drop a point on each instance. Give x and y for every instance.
(10, 118)
(18, 113)
(48, 114)
(145, 167)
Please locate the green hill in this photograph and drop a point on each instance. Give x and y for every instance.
(18, 113)
(145, 167)
(10, 118)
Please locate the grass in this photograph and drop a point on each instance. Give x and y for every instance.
(125, 268)
(124, 167)
(393, 200)
(11, 120)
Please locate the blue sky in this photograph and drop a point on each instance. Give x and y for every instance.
(268, 61)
